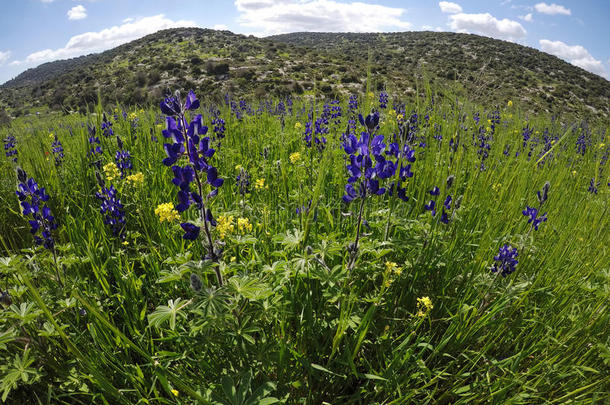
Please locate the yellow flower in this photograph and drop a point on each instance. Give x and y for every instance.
(389, 266)
(392, 112)
(298, 125)
(125, 243)
(295, 157)
(224, 225)
(510, 103)
(573, 172)
(260, 184)
(111, 171)
(243, 224)
(424, 305)
(400, 117)
(602, 145)
(135, 179)
(133, 116)
(371, 94)
(52, 135)
(238, 167)
(167, 212)
(175, 392)
(496, 186)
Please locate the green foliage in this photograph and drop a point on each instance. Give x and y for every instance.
(293, 322)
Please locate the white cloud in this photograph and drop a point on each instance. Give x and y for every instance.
(527, 18)
(431, 28)
(128, 20)
(552, 9)
(575, 54)
(488, 25)
(47, 1)
(89, 42)
(77, 13)
(220, 27)
(280, 16)
(449, 7)
(4, 56)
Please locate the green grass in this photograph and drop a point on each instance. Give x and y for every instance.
(293, 322)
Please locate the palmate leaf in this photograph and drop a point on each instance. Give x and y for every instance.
(168, 312)
(290, 239)
(250, 288)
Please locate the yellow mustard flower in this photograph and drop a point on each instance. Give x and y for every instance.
(295, 157)
(243, 224)
(400, 117)
(167, 212)
(175, 392)
(111, 171)
(260, 184)
(298, 125)
(224, 225)
(510, 103)
(135, 179)
(424, 305)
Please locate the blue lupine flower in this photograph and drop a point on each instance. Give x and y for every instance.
(447, 203)
(383, 100)
(191, 232)
(94, 141)
(431, 207)
(58, 151)
(243, 182)
(186, 142)
(106, 127)
(112, 209)
(122, 159)
(593, 186)
(33, 202)
(534, 219)
(435, 191)
(506, 260)
(10, 147)
(353, 104)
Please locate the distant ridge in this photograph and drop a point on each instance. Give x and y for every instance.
(486, 71)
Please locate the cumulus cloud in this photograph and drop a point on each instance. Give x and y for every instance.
(89, 42)
(220, 27)
(280, 16)
(4, 56)
(77, 13)
(449, 7)
(486, 24)
(552, 9)
(527, 18)
(575, 54)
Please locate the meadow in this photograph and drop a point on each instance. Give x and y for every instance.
(304, 250)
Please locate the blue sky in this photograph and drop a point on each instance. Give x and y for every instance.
(38, 31)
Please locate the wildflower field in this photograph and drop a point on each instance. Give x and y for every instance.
(304, 250)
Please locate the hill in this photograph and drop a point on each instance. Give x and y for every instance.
(484, 70)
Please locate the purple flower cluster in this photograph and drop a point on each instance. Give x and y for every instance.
(243, 182)
(10, 149)
(506, 260)
(383, 100)
(316, 134)
(94, 141)
(187, 141)
(58, 151)
(106, 127)
(446, 209)
(33, 205)
(534, 219)
(122, 158)
(371, 160)
(112, 209)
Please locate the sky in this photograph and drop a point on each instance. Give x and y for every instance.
(38, 31)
